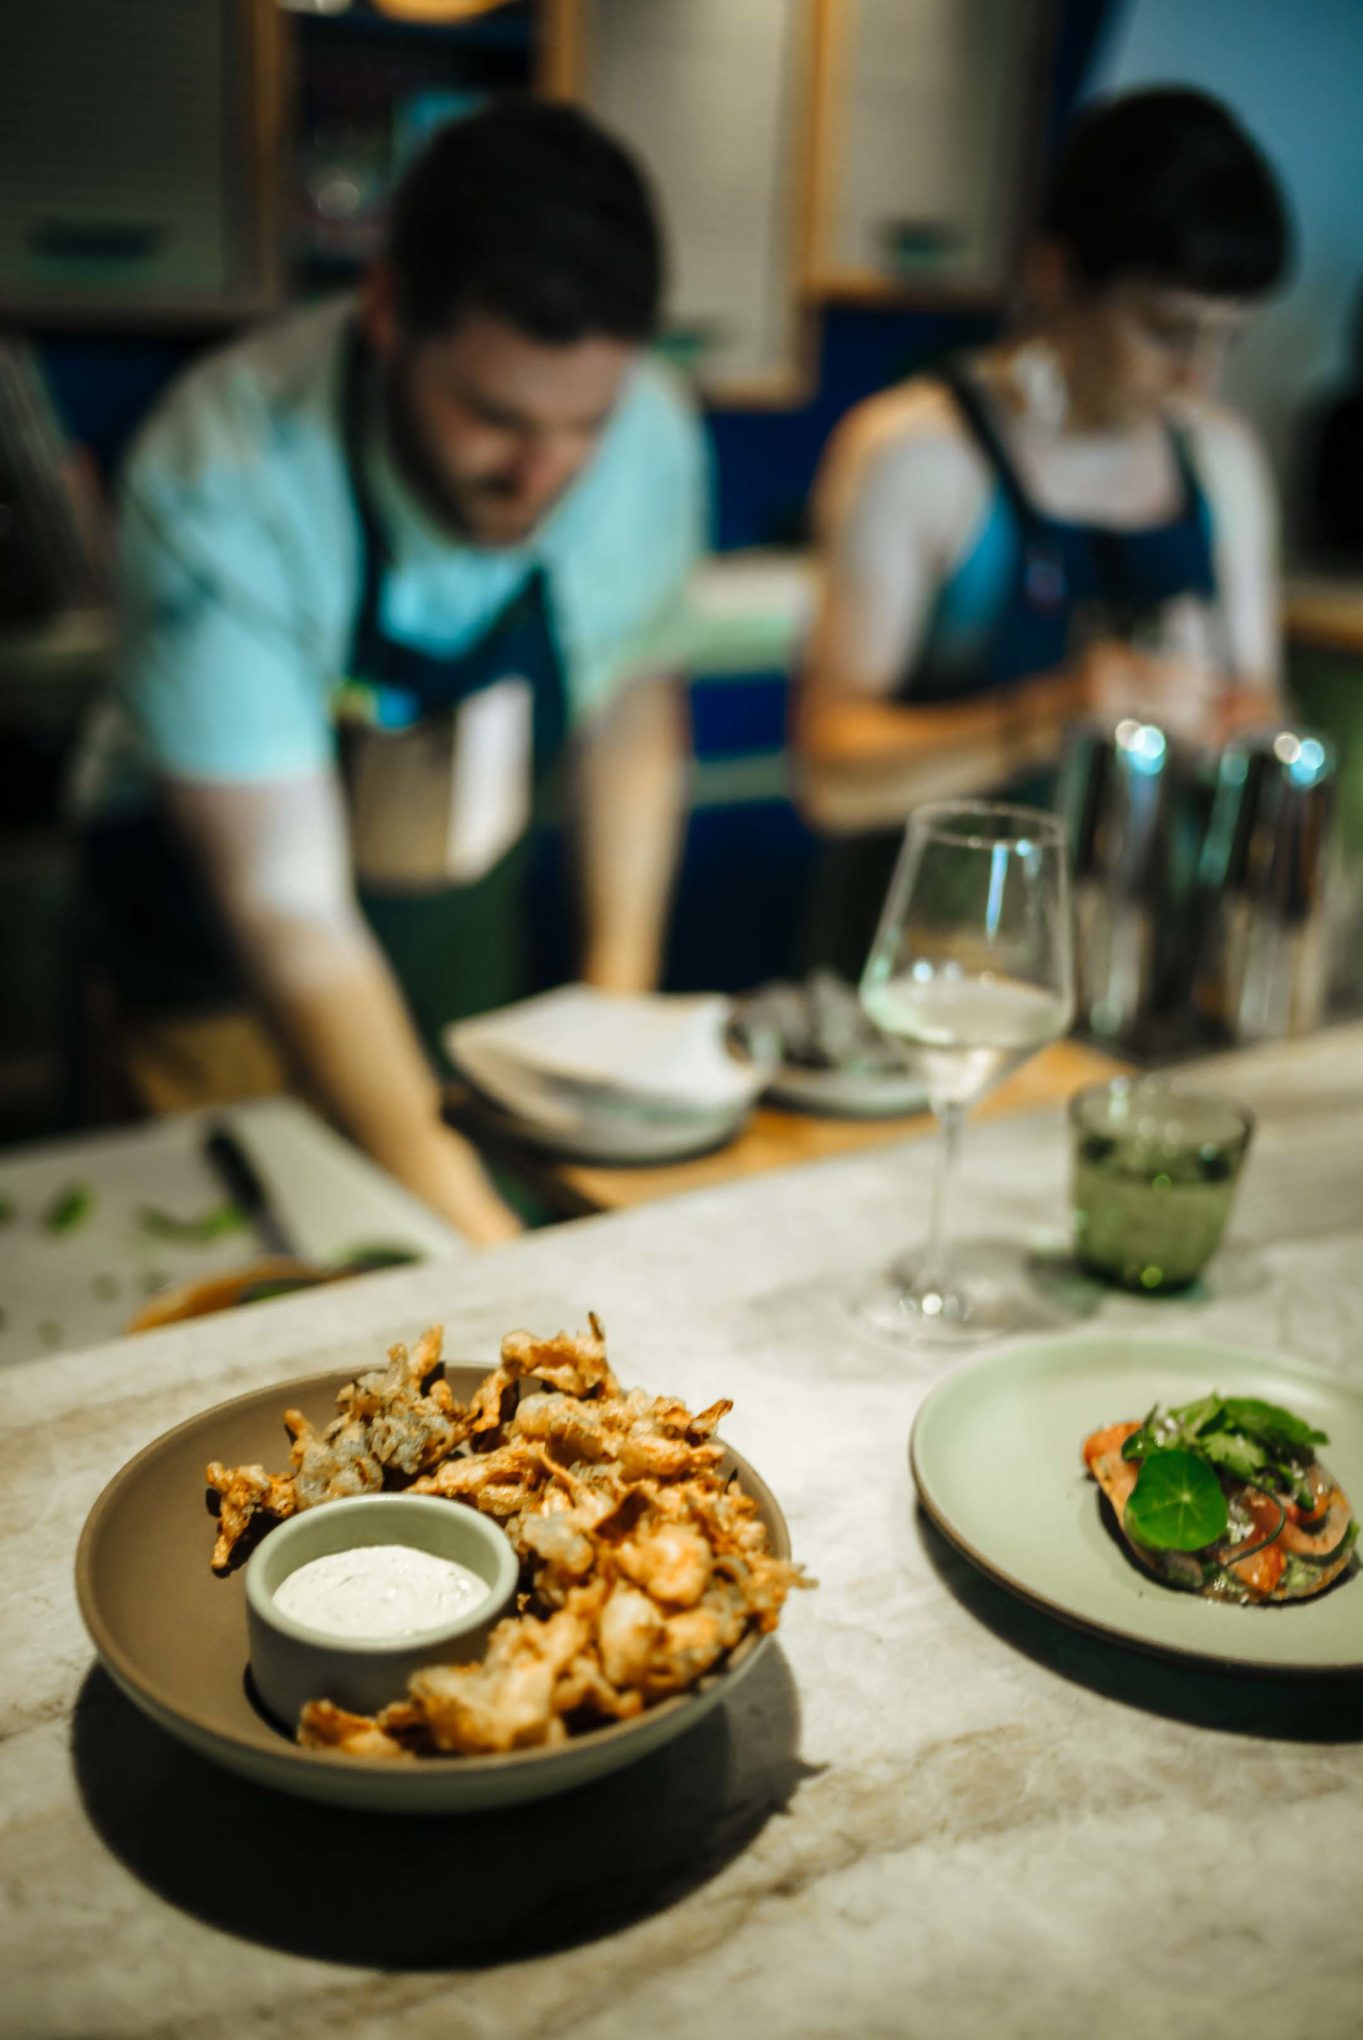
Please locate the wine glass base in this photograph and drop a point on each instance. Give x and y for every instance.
(921, 1312)
(997, 1291)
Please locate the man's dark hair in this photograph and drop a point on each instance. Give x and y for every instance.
(1166, 184)
(530, 211)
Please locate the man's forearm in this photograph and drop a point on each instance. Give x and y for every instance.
(349, 1034)
(276, 860)
(633, 790)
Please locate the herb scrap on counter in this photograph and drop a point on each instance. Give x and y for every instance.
(70, 1208)
(368, 1260)
(213, 1224)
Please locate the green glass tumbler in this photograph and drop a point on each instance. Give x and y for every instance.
(1155, 1172)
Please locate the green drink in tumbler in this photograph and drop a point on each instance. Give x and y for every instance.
(1155, 1172)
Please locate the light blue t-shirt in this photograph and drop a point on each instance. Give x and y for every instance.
(241, 558)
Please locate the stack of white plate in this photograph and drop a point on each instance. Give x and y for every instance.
(610, 1077)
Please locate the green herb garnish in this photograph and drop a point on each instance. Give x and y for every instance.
(1234, 1454)
(1268, 1423)
(69, 1208)
(212, 1224)
(1240, 1437)
(1177, 1503)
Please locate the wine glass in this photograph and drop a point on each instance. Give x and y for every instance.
(971, 971)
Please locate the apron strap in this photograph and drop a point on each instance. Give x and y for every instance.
(374, 549)
(1043, 576)
(979, 423)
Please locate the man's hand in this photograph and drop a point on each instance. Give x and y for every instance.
(443, 1171)
(276, 858)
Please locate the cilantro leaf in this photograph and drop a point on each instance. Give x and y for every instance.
(1236, 1454)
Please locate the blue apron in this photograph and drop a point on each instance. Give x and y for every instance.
(1070, 580)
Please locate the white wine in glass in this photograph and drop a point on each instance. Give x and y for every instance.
(972, 971)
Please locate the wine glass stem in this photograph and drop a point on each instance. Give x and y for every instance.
(950, 1118)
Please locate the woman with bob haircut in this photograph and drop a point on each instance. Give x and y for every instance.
(1068, 521)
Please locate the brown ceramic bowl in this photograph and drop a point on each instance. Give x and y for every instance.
(174, 1637)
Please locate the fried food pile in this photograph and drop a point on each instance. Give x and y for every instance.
(641, 1565)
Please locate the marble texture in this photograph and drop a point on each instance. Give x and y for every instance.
(63, 1291)
(931, 1811)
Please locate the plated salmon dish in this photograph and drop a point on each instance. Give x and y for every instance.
(1225, 1497)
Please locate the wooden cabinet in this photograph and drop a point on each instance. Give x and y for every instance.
(926, 146)
(716, 99)
(139, 160)
(810, 151)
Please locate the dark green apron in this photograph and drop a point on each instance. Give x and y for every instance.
(457, 949)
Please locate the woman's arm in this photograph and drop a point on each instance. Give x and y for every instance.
(1245, 525)
(898, 499)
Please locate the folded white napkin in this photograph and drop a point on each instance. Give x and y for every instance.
(576, 1050)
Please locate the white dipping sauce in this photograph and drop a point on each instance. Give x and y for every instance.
(378, 1592)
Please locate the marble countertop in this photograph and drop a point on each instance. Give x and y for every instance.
(929, 1811)
(64, 1290)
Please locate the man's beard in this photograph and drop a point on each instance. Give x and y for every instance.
(412, 457)
(456, 510)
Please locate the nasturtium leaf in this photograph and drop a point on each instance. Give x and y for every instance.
(1176, 1504)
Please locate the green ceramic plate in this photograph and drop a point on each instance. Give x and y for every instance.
(995, 1452)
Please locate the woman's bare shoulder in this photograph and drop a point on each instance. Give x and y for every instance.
(909, 447)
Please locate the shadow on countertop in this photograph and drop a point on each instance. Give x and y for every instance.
(447, 1891)
(1321, 1708)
